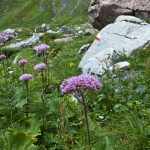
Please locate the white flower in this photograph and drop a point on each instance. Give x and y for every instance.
(10, 72)
(101, 117)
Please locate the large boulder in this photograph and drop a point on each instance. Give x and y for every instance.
(103, 12)
(125, 36)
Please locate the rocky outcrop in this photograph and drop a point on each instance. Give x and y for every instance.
(125, 36)
(29, 42)
(103, 12)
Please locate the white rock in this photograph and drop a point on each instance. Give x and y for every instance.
(65, 30)
(80, 32)
(45, 27)
(122, 65)
(84, 48)
(63, 40)
(10, 31)
(90, 31)
(32, 40)
(126, 35)
(53, 32)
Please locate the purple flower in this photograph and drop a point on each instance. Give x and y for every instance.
(25, 77)
(86, 82)
(40, 66)
(22, 62)
(40, 49)
(5, 37)
(2, 56)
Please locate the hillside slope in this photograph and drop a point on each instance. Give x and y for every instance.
(16, 13)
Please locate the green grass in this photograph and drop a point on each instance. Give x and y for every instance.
(126, 112)
(125, 122)
(27, 13)
(24, 13)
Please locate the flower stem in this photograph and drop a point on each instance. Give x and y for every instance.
(42, 97)
(86, 120)
(27, 96)
(23, 70)
(43, 85)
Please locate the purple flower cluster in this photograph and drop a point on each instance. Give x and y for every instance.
(22, 62)
(25, 77)
(41, 49)
(2, 56)
(80, 82)
(40, 66)
(5, 37)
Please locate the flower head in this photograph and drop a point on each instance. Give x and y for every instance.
(22, 62)
(5, 37)
(40, 49)
(40, 66)
(25, 77)
(2, 56)
(80, 82)
(71, 65)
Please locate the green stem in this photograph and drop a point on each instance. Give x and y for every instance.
(23, 70)
(87, 123)
(86, 119)
(42, 97)
(43, 85)
(27, 96)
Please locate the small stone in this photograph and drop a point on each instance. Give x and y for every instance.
(10, 31)
(65, 30)
(122, 65)
(84, 48)
(89, 32)
(63, 40)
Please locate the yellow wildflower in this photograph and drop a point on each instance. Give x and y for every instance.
(71, 65)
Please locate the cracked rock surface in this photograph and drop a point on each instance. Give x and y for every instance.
(125, 36)
(103, 12)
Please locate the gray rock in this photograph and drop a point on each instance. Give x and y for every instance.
(65, 30)
(125, 36)
(29, 42)
(44, 27)
(67, 35)
(84, 48)
(124, 65)
(89, 32)
(103, 12)
(10, 31)
(68, 39)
